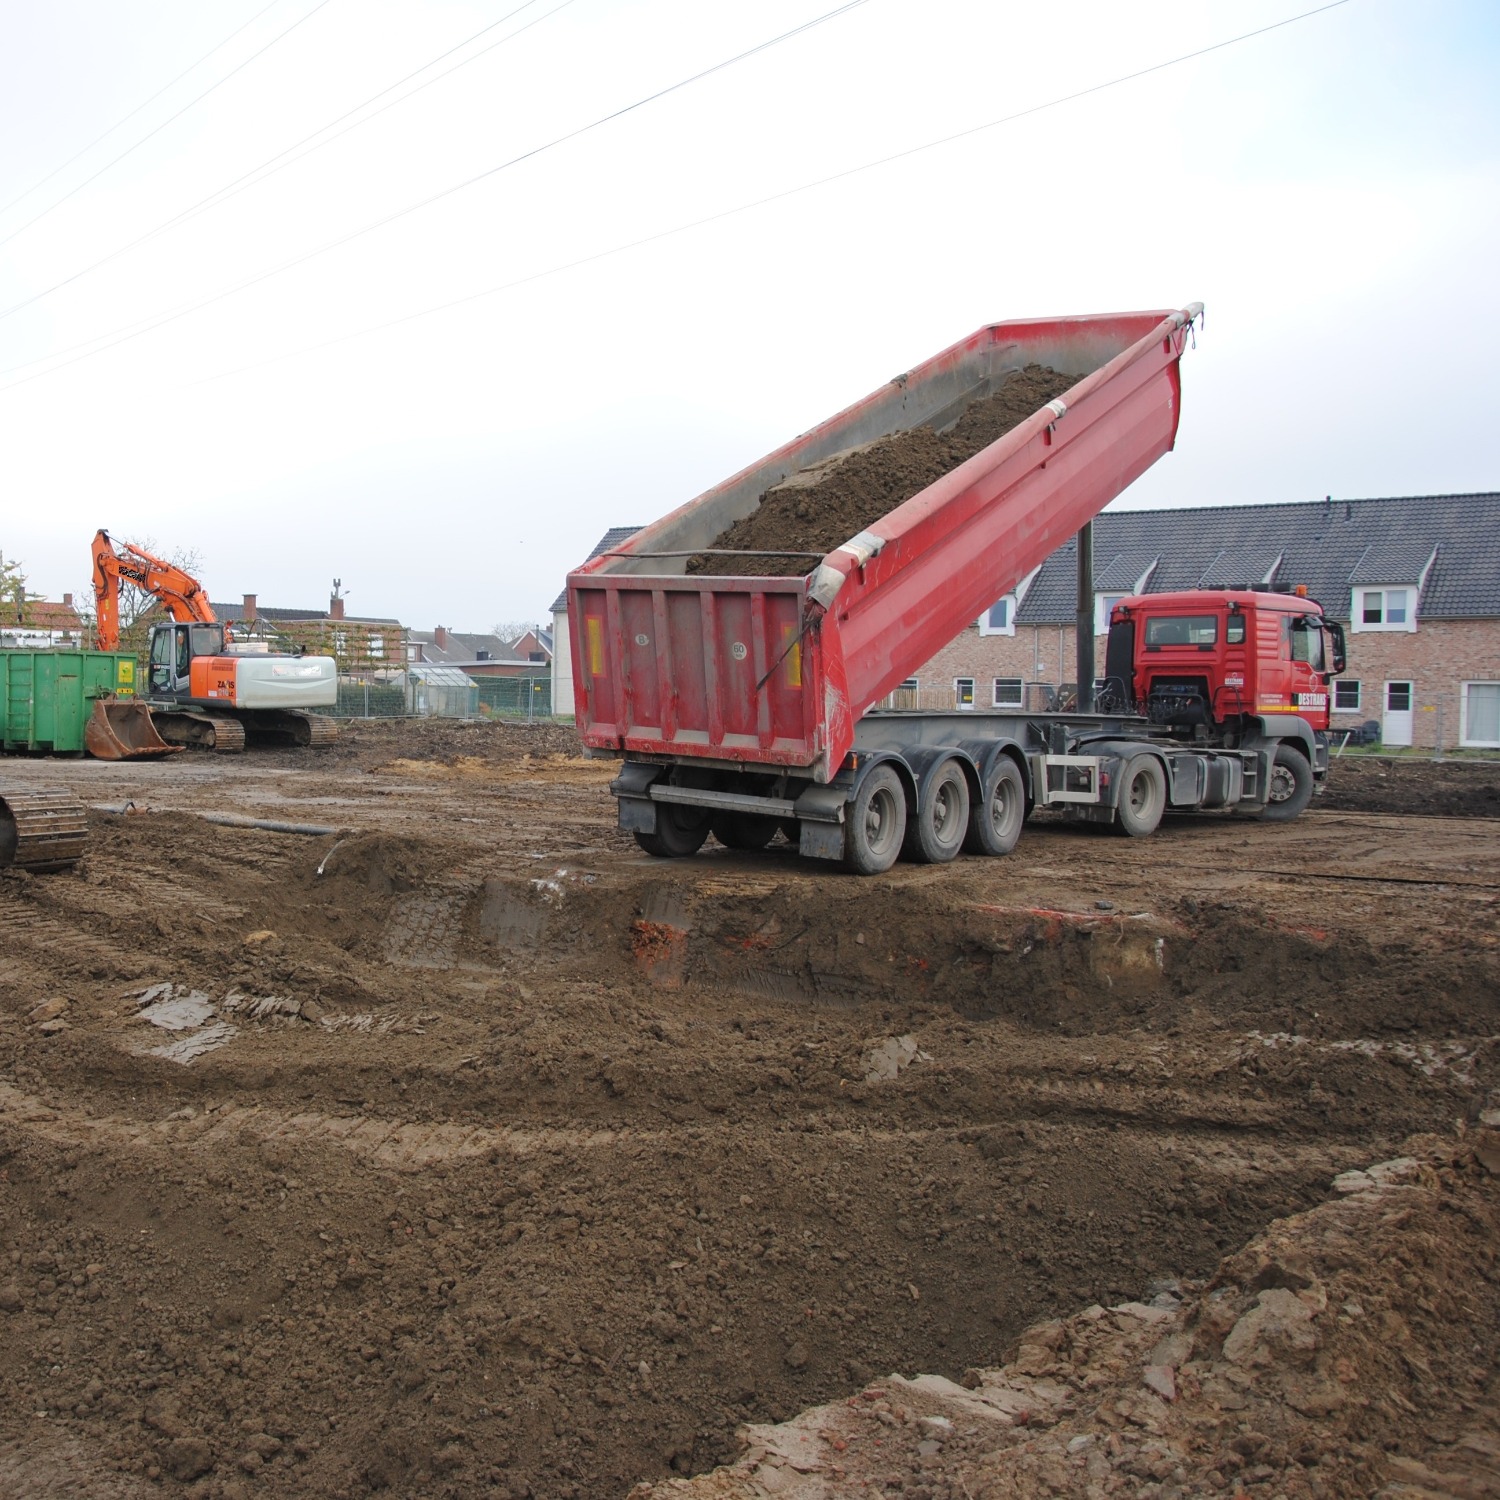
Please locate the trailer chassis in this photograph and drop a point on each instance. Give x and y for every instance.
(968, 780)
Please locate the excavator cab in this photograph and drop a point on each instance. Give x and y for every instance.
(173, 649)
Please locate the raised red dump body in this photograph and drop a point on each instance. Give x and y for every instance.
(777, 671)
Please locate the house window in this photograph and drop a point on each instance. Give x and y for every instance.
(1104, 607)
(904, 696)
(1008, 692)
(1000, 618)
(1346, 696)
(1479, 714)
(1384, 609)
(963, 692)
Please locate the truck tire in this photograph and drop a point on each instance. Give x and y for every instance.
(1143, 796)
(1291, 787)
(995, 819)
(876, 823)
(680, 831)
(738, 830)
(937, 832)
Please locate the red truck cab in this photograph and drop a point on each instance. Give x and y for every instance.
(1207, 660)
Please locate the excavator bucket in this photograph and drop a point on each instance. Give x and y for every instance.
(123, 731)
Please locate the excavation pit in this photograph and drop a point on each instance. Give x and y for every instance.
(562, 1163)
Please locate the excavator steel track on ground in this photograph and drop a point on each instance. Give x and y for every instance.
(200, 731)
(41, 831)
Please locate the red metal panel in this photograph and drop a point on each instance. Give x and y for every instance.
(758, 671)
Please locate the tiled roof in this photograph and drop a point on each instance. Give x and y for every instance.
(1327, 545)
(41, 614)
(1393, 562)
(232, 614)
(611, 539)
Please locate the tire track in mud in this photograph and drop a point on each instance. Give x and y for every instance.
(1217, 1120)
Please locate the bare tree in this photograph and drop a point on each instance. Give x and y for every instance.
(512, 630)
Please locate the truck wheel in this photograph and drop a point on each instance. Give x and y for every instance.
(1143, 796)
(1291, 786)
(744, 830)
(995, 820)
(876, 823)
(679, 831)
(937, 832)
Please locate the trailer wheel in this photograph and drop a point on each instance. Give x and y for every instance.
(937, 832)
(1143, 796)
(744, 830)
(876, 823)
(680, 831)
(1291, 787)
(995, 820)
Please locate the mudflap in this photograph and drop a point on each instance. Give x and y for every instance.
(119, 730)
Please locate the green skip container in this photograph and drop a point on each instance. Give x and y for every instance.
(46, 697)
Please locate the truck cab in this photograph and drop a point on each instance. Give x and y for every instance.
(1204, 663)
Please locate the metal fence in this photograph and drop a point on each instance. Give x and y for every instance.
(527, 697)
(445, 694)
(364, 699)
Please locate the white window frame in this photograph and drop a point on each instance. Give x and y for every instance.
(1019, 701)
(1359, 625)
(1103, 606)
(1348, 708)
(958, 699)
(1009, 628)
(1463, 714)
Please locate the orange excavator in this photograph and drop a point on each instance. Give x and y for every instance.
(203, 690)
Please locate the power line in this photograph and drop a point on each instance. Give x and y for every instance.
(743, 208)
(239, 67)
(274, 164)
(124, 119)
(119, 336)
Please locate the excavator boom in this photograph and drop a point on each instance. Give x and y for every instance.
(181, 595)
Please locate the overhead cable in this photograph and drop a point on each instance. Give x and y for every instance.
(125, 119)
(284, 158)
(115, 161)
(122, 335)
(744, 208)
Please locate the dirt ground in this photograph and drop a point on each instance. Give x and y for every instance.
(818, 509)
(488, 1156)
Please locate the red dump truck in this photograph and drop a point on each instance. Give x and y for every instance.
(747, 706)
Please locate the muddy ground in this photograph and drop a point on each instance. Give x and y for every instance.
(820, 508)
(502, 1159)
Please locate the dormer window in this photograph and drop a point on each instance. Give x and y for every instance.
(1000, 617)
(1384, 609)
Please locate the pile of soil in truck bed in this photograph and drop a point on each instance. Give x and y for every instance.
(821, 507)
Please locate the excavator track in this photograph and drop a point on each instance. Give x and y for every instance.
(321, 731)
(41, 831)
(200, 731)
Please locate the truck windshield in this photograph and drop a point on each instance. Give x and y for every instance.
(1307, 642)
(1182, 630)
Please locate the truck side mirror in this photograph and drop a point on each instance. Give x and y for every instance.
(1336, 642)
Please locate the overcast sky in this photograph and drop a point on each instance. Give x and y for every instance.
(1330, 190)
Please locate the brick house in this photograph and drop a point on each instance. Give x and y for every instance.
(1414, 580)
(362, 645)
(525, 655)
(35, 624)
